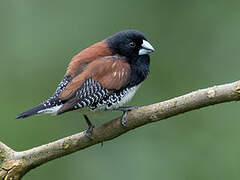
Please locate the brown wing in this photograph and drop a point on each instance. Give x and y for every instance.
(111, 72)
(81, 60)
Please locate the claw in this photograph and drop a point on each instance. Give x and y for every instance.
(123, 120)
(125, 109)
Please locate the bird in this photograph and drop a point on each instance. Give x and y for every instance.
(102, 77)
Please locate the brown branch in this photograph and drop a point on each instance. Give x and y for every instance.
(16, 164)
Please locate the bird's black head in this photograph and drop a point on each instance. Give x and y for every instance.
(129, 43)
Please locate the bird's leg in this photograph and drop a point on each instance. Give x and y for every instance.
(125, 110)
(90, 127)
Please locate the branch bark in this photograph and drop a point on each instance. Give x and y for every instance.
(15, 164)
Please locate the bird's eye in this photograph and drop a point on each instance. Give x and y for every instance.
(132, 44)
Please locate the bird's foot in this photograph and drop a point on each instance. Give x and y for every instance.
(90, 127)
(125, 110)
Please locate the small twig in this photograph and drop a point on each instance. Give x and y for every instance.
(16, 164)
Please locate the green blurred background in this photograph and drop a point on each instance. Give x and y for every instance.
(197, 45)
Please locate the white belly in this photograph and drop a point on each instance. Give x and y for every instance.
(126, 98)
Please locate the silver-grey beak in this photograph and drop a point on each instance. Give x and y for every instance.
(146, 48)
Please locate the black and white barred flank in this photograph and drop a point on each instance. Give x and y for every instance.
(62, 85)
(53, 103)
(115, 100)
(96, 97)
(91, 94)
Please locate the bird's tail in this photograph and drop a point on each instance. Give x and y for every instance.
(32, 111)
(50, 106)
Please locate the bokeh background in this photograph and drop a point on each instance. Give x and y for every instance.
(197, 45)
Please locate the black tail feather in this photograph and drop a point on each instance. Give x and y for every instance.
(31, 112)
